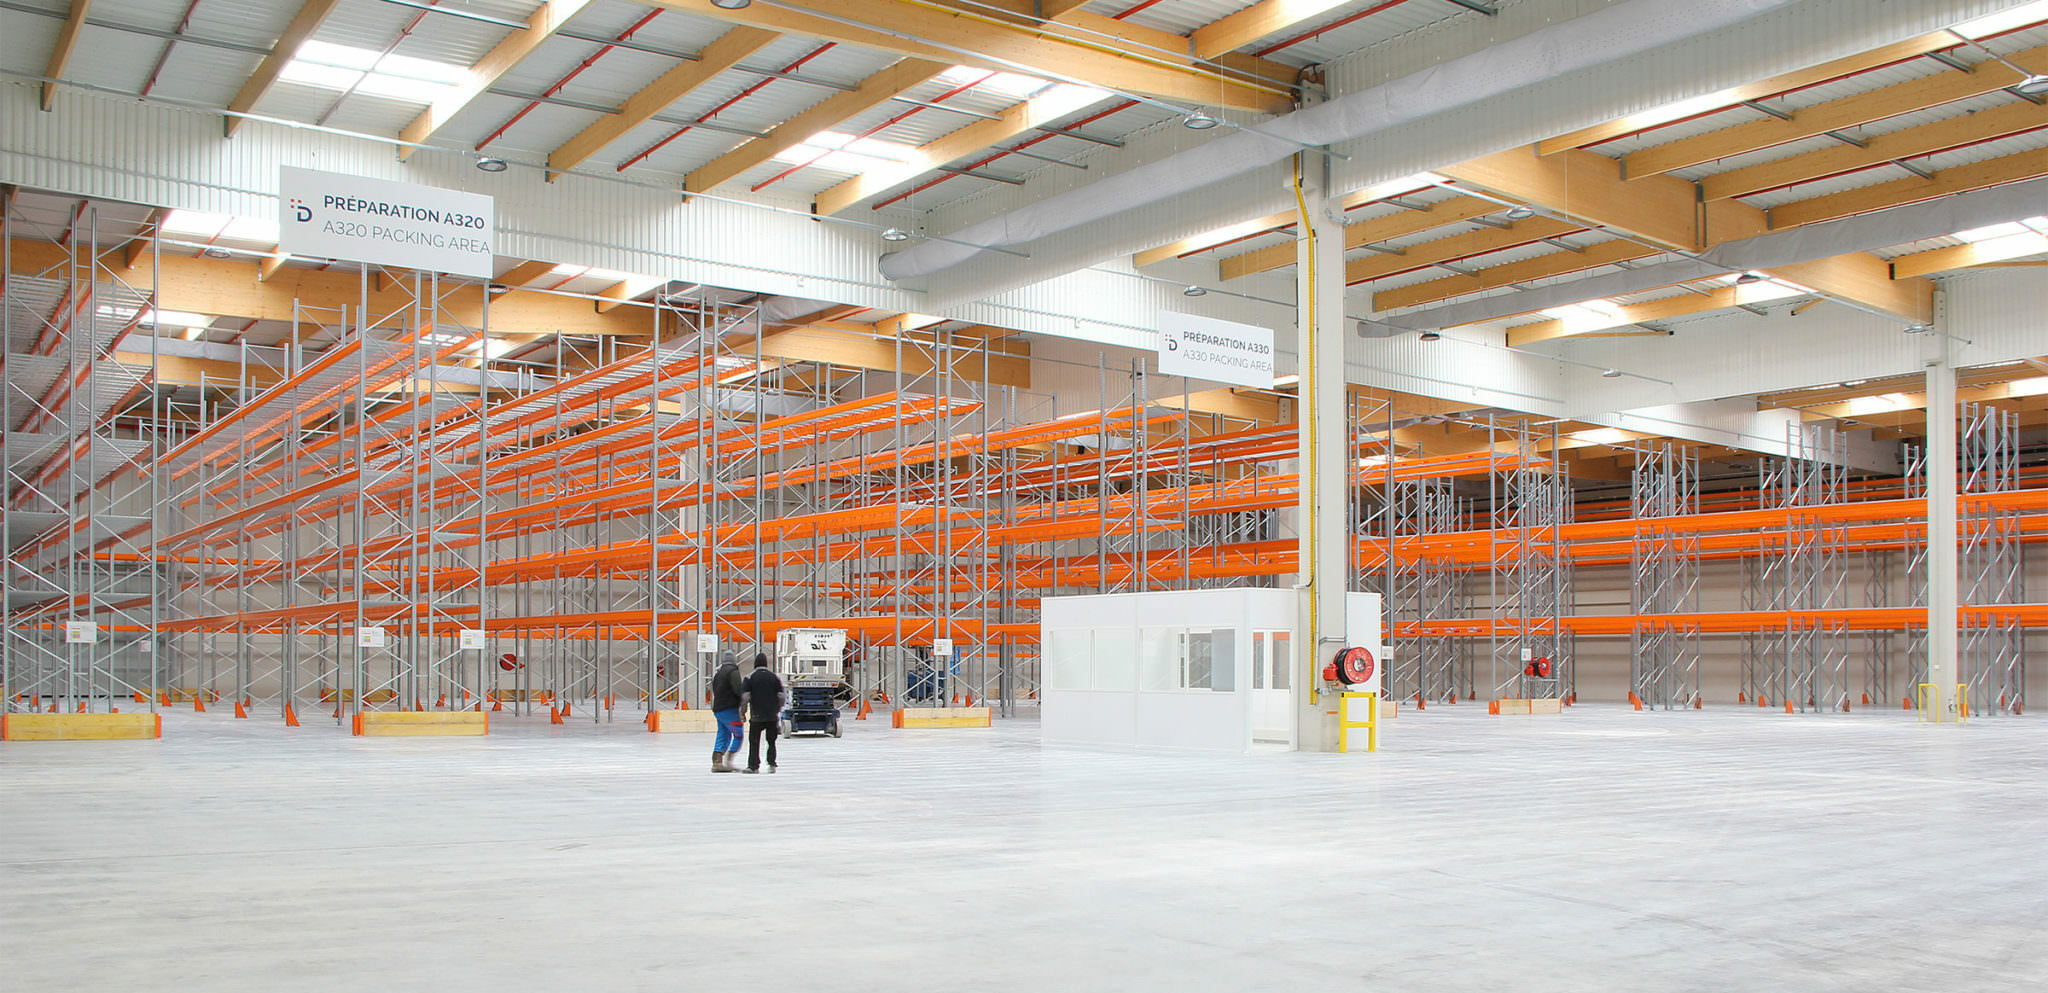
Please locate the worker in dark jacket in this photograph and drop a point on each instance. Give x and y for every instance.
(727, 688)
(764, 699)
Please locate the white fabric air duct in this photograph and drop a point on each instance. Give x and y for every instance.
(1617, 32)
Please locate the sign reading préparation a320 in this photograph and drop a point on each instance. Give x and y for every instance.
(1218, 351)
(330, 215)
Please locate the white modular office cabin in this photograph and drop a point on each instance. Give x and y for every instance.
(1205, 669)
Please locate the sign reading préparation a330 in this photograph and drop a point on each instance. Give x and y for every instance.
(1218, 351)
(330, 215)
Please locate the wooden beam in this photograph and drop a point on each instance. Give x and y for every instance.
(1455, 247)
(1229, 403)
(270, 264)
(1362, 233)
(1049, 49)
(496, 63)
(1834, 115)
(1220, 237)
(1666, 210)
(524, 273)
(724, 53)
(1589, 187)
(1259, 20)
(138, 246)
(1847, 66)
(1507, 274)
(863, 352)
(876, 89)
(1964, 256)
(60, 54)
(1027, 116)
(230, 288)
(1864, 279)
(302, 26)
(1684, 303)
(1984, 125)
(1913, 189)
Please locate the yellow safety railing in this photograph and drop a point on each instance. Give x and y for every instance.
(1371, 724)
(1955, 710)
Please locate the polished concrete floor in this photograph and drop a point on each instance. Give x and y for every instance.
(1604, 850)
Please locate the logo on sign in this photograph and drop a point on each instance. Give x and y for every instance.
(301, 212)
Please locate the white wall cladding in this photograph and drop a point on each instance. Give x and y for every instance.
(1462, 368)
(125, 150)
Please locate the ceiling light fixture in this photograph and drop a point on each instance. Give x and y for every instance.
(1520, 212)
(1195, 121)
(489, 164)
(1194, 291)
(1919, 329)
(2033, 86)
(895, 234)
(1431, 335)
(1750, 277)
(218, 253)
(732, 4)
(1609, 373)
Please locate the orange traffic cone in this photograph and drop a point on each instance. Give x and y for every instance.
(497, 704)
(1866, 699)
(166, 701)
(1634, 700)
(1788, 706)
(139, 698)
(443, 702)
(554, 716)
(1740, 698)
(1698, 704)
(53, 705)
(862, 713)
(1493, 706)
(291, 717)
(81, 706)
(1905, 703)
(465, 698)
(565, 708)
(418, 707)
(199, 702)
(241, 711)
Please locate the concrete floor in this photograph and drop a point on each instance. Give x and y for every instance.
(1724, 850)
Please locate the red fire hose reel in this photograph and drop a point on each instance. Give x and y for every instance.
(1539, 668)
(509, 662)
(1351, 667)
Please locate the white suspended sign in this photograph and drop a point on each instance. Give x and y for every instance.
(472, 639)
(368, 637)
(707, 644)
(1218, 351)
(336, 216)
(81, 633)
(942, 648)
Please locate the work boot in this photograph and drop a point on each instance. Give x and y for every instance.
(721, 761)
(750, 770)
(771, 767)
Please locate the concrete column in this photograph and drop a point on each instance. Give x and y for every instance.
(1325, 451)
(1941, 529)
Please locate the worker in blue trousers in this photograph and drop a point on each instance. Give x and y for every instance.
(727, 689)
(764, 698)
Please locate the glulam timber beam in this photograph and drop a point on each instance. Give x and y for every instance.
(1879, 150)
(985, 41)
(1833, 115)
(1361, 233)
(231, 288)
(524, 273)
(1559, 263)
(502, 57)
(2013, 168)
(1458, 246)
(866, 352)
(722, 54)
(308, 20)
(1665, 210)
(60, 54)
(1850, 65)
(1029, 115)
(878, 88)
(1965, 256)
